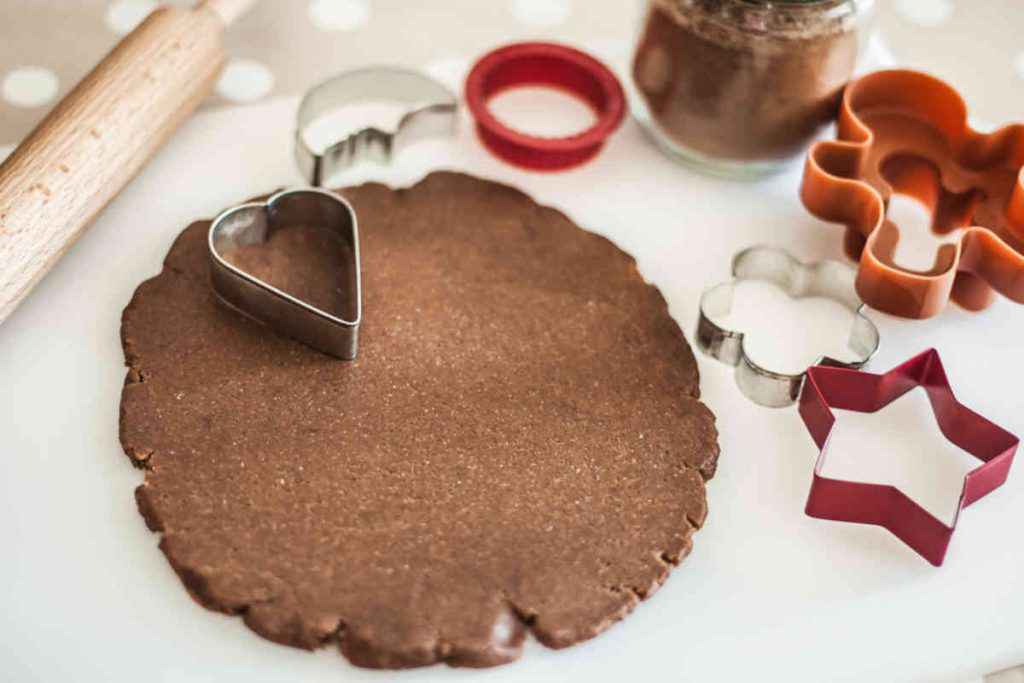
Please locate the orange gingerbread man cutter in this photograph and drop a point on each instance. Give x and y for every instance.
(905, 132)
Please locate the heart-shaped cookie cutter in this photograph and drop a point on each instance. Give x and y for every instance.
(254, 223)
(906, 132)
(828, 279)
(431, 110)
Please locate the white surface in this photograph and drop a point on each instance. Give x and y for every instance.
(767, 594)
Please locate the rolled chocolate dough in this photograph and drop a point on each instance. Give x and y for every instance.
(518, 447)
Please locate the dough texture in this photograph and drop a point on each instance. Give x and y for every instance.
(518, 447)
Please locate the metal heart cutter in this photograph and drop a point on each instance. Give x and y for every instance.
(334, 332)
(828, 279)
(431, 110)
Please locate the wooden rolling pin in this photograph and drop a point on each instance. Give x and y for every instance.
(99, 136)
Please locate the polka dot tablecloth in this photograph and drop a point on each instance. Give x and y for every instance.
(282, 48)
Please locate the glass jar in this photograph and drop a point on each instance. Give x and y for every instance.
(740, 87)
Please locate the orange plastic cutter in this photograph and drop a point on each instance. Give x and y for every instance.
(905, 132)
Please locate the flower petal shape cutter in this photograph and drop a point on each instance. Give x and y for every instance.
(829, 279)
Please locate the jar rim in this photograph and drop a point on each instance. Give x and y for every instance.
(796, 5)
(765, 9)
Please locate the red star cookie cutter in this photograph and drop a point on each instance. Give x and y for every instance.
(906, 132)
(886, 506)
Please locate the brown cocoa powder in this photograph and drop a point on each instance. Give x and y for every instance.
(743, 80)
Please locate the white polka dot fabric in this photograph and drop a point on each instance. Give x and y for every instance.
(542, 12)
(926, 13)
(245, 80)
(339, 15)
(124, 15)
(29, 86)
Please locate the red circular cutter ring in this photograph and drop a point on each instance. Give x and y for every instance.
(546, 64)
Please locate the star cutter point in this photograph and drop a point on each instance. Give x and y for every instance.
(884, 505)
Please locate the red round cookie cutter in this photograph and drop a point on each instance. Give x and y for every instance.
(556, 66)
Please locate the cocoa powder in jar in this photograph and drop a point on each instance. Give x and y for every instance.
(744, 80)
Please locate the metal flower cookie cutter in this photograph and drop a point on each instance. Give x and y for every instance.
(431, 110)
(828, 279)
(333, 332)
(906, 132)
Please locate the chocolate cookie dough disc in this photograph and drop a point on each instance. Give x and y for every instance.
(519, 446)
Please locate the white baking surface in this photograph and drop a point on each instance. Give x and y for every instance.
(768, 593)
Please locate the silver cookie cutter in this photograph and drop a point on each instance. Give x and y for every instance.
(431, 111)
(334, 333)
(828, 279)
